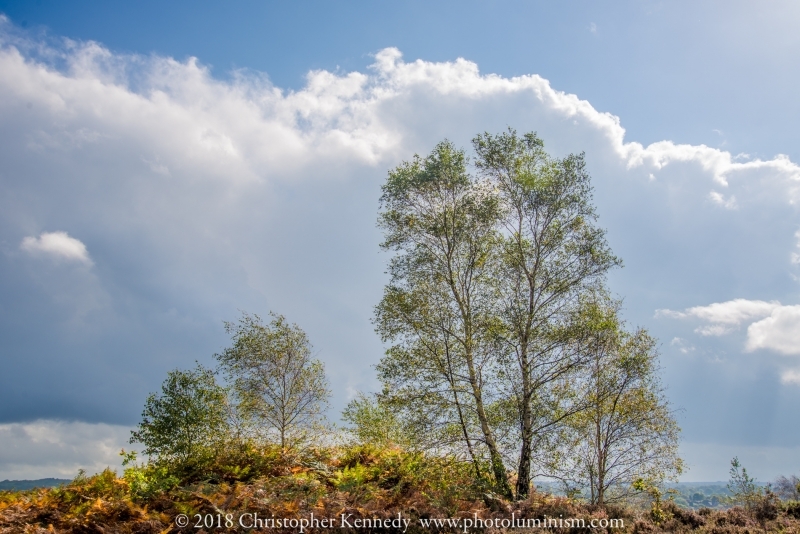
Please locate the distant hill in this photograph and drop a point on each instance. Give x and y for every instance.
(696, 495)
(692, 495)
(18, 485)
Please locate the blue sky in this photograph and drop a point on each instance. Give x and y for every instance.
(164, 165)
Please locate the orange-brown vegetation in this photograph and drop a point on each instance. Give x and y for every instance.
(360, 482)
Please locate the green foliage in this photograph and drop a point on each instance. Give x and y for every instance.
(280, 388)
(146, 481)
(183, 425)
(390, 467)
(437, 309)
(373, 422)
(353, 478)
(242, 461)
(761, 503)
(369, 470)
(103, 484)
(80, 496)
(487, 276)
(696, 497)
(657, 511)
(792, 508)
(548, 252)
(625, 430)
(743, 488)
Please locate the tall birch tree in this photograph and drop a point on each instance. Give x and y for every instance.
(550, 253)
(437, 310)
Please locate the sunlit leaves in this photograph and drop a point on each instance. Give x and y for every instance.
(184, 422)
(278, 384)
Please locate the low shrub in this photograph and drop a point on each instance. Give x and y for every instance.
(363, 480)
(792, 509)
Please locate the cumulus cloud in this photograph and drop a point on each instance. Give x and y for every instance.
(779, 332)
(57, 245)
(243, 129)
(58, 449)
(723, 316)
(773, 326)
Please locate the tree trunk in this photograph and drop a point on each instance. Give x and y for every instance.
(463, 424)
(498, 469)
(601, 467)
(524, 467)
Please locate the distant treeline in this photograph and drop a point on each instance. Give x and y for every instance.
(21, 485)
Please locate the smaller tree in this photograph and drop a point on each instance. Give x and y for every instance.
(277, 382)
(185, 422)
(627, 432)
(788, 488)
(373, 421)
(742, 486)
(762, 503)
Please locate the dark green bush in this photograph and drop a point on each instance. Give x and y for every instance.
(792, 509)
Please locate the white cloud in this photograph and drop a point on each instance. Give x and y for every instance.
(714, 330)
(58, 449)
(57, 245)
(795, 257)
(779, 332)
(244, 128)
(791, 376)
(730, 313)
(773, 326)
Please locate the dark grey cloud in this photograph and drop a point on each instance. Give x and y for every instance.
(57, 449)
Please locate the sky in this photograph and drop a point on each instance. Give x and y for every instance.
(166, 166)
